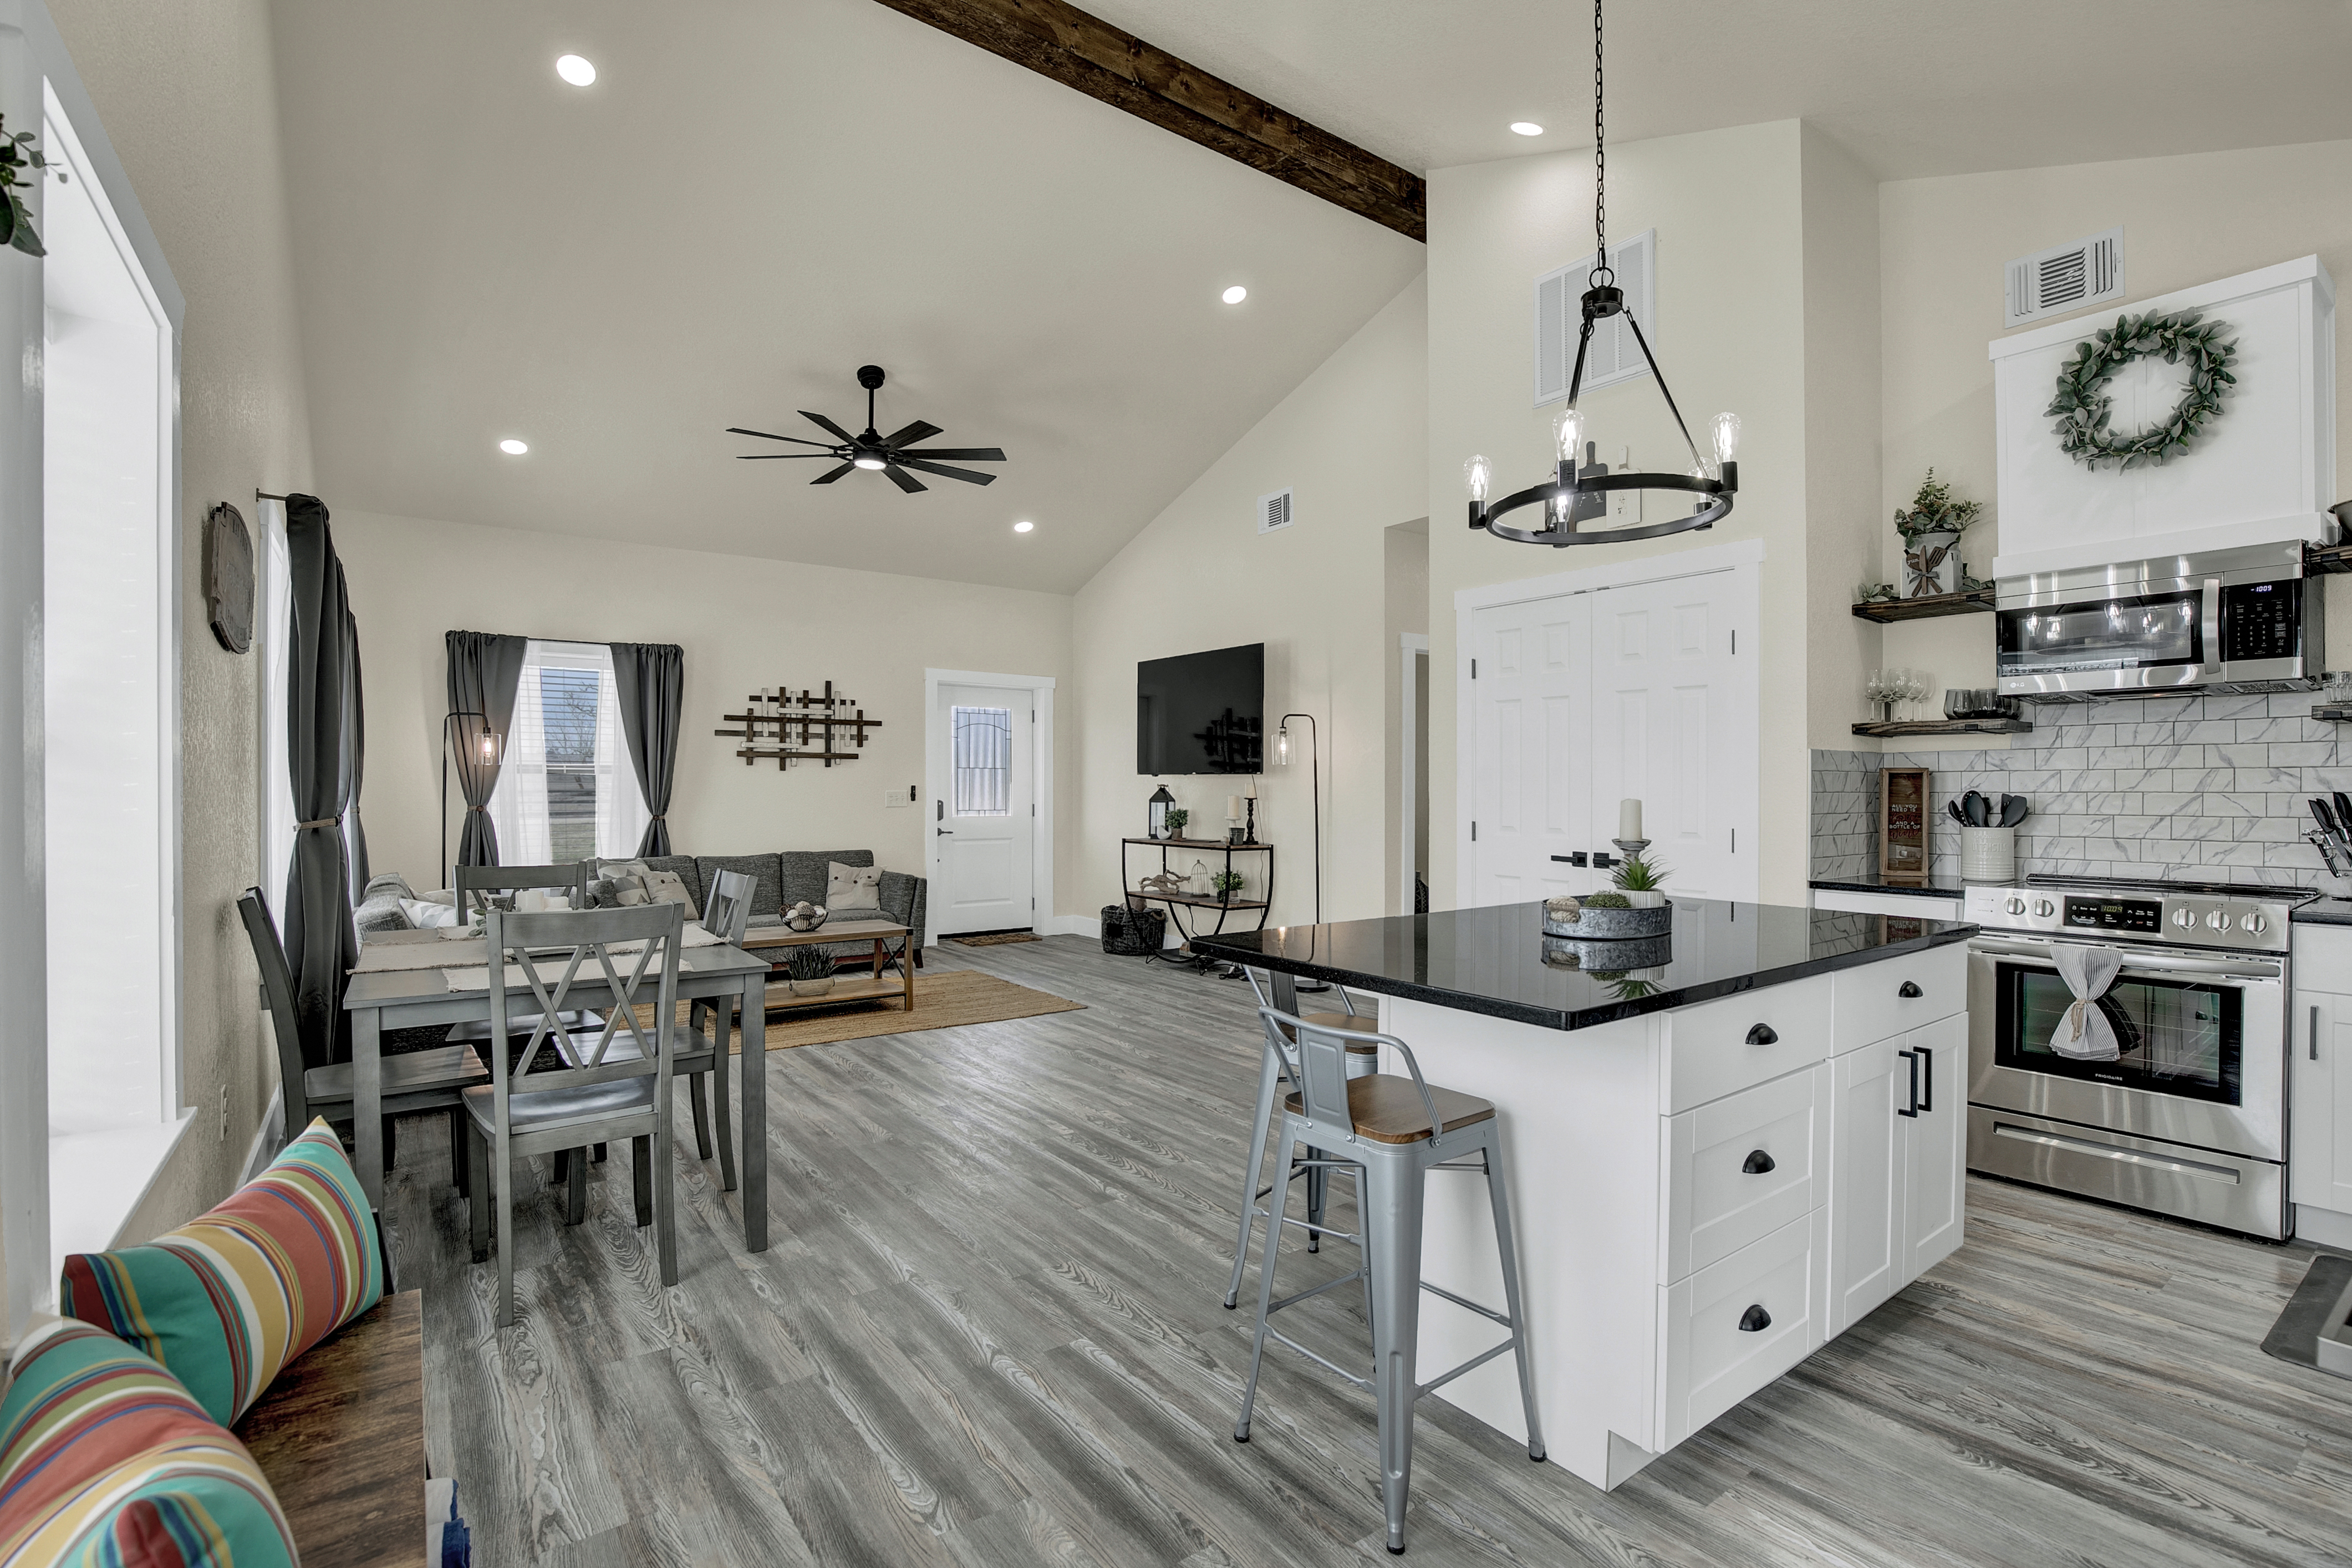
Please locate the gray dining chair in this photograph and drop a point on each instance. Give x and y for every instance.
(475, 885)
(413, 1082)
(566, 1089)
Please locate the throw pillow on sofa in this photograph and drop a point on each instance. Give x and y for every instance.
(105, 1457)
(854, 891)
(649, 885)
(226, 1301)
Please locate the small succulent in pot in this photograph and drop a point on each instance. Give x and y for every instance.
(804, 916)
(1227, 884)
(1176, 818)
(809, 969)
(1642, 881)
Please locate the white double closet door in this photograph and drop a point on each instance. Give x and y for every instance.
(1645, 690)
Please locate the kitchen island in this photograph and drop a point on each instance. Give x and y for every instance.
(1719, 1159)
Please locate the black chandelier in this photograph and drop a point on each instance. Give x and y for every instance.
(1579, 492)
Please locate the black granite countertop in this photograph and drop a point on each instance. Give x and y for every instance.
(1872, 883)
(1497, 961)
(2324, 912)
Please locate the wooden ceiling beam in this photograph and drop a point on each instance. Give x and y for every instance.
(1057, 39)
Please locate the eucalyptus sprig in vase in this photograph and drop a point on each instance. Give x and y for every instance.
(1930, 530)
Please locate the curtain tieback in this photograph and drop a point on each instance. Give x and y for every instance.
(661, 816)
(322, 821)
(483, 810)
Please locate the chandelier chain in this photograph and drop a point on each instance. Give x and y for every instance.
(1602, 271)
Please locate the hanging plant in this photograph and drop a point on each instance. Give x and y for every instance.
(16, 153)
(2083, 407)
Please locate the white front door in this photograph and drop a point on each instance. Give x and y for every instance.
(984, 825)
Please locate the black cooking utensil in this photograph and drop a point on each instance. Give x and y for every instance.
(1957, 814)
(1980, 809)
(2012, 810)
(2344, 811)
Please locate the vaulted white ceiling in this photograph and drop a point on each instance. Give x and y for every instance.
(757, 196)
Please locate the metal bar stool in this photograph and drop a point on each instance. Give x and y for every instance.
(1390, 1130)
(1362, 1060)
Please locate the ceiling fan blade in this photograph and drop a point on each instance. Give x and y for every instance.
(767, 457)
(828, 478)
(827, 423)
(903, 479)
(961, 454)
(764, 435)
(966, 474)
(920, 430)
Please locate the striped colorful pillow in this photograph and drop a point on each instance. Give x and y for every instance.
(228, 1300)
(105, 1460)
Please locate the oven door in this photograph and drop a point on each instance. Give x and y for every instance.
(2203, 1040)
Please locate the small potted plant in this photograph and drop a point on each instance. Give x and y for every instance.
(1931, 533)
(808, 969)
(1642, 881)
(1176, 818)
(1228, 884)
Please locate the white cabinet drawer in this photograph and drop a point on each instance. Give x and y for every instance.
(1710, 1363)
(1741, 1167)
(1720, 1047)
(1875, 1002)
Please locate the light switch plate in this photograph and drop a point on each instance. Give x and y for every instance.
(900, 796)
(1624, 506)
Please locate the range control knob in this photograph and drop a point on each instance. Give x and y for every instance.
(2218, 920)
(2253, 924)
(2015, 905)
(2184, 919)
(2044, 909)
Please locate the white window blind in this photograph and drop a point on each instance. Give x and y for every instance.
(1613, 356)
(567, 790)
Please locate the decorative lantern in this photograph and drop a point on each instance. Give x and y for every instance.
(1160, 801)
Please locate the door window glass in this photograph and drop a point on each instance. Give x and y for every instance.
(983, 761)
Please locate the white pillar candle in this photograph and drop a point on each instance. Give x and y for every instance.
(1233, 807)
(1629, 820)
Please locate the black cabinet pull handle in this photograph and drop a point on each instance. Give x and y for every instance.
(1908, 990)
(1755, 1320)
(1759, 1163)
(1763, 1034)
(1926, 1076)
(1913, 1058)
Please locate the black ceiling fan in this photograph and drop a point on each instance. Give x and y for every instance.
(892, 454)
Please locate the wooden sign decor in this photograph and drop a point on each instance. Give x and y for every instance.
(1904, 803)
(228, 577)
(811, 727)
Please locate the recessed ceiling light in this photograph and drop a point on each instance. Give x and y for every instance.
(1023, 527)
(512, 448)
(1235, 295)
(1526, 128)
(575, 70)
(869, 464)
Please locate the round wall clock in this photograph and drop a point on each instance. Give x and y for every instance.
(228, 577)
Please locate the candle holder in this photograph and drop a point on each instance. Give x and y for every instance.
(1631, 848)
(1249, 829)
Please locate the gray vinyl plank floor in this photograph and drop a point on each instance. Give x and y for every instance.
(989, 1333)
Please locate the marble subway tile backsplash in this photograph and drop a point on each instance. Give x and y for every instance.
(2208, 786)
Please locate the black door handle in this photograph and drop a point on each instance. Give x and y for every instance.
(1927, 1075)
(1759, 1163)
(1763, 1034)
(1913, 1058)
(1908, 990)
(1755, 1320)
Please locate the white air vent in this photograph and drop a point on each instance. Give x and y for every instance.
(1274, 511)
(1614, 356)
(2064, 277)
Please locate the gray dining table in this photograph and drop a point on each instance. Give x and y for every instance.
(404, 998)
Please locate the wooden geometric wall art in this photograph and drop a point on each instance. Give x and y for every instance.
(811, 727)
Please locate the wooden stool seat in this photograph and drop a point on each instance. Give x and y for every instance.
(1352, 1023)
(1387, 1108)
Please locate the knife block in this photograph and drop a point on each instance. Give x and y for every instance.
(1988, 853)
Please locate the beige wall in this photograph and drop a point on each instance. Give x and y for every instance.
(1351, 442)
(1405, 608)
(1732, 288)
(2185, 220)
(186, 94)
(745, 624)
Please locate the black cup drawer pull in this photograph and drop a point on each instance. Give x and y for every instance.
(1755, 1320)
(1763, 1034)
(1909, 991)
(1759, 1163)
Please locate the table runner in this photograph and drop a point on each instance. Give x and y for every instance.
(459, 950)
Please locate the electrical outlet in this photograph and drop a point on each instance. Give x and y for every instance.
(1624, 506)
(900, 796)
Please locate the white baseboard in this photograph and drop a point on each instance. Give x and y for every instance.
(2324, 1227)
(267, 1139)
(1070, 925)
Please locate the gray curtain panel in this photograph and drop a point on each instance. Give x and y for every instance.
(484, 671)
(355, 741)
(652, 681)
(320, 942)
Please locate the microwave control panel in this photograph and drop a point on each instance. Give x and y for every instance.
(2261, 620)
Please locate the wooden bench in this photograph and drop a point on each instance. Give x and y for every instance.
(340, 1434)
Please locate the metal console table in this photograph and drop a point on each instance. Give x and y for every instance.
(1226, 908)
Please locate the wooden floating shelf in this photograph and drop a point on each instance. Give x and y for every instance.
(2326, 560)
(2339, 713)
(1974, 601)
(1196, 900)
(1903, 727)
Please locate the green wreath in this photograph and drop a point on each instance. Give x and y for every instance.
(2082, 406)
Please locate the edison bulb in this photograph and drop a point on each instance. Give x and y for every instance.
(1726, 437)
(1478, 476)
(1281, 747)
(1568, 435)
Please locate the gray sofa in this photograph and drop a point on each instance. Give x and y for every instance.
(778, 880)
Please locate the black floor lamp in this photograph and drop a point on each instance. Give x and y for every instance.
(488, 746)
(1283, 757)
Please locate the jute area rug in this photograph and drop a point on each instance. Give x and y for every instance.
(994, 938)
(942, 1001)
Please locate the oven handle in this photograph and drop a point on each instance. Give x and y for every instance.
(2249, 969)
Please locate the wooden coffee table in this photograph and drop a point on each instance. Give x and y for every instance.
(877, 987)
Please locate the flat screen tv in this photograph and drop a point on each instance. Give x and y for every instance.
(1201, 712)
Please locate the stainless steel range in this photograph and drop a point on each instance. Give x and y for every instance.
(2190, 1117)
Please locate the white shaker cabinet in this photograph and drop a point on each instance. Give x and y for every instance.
(2319, 1105)
(1898, 1144)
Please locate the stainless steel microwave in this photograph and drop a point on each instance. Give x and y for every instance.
(2244, 619)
